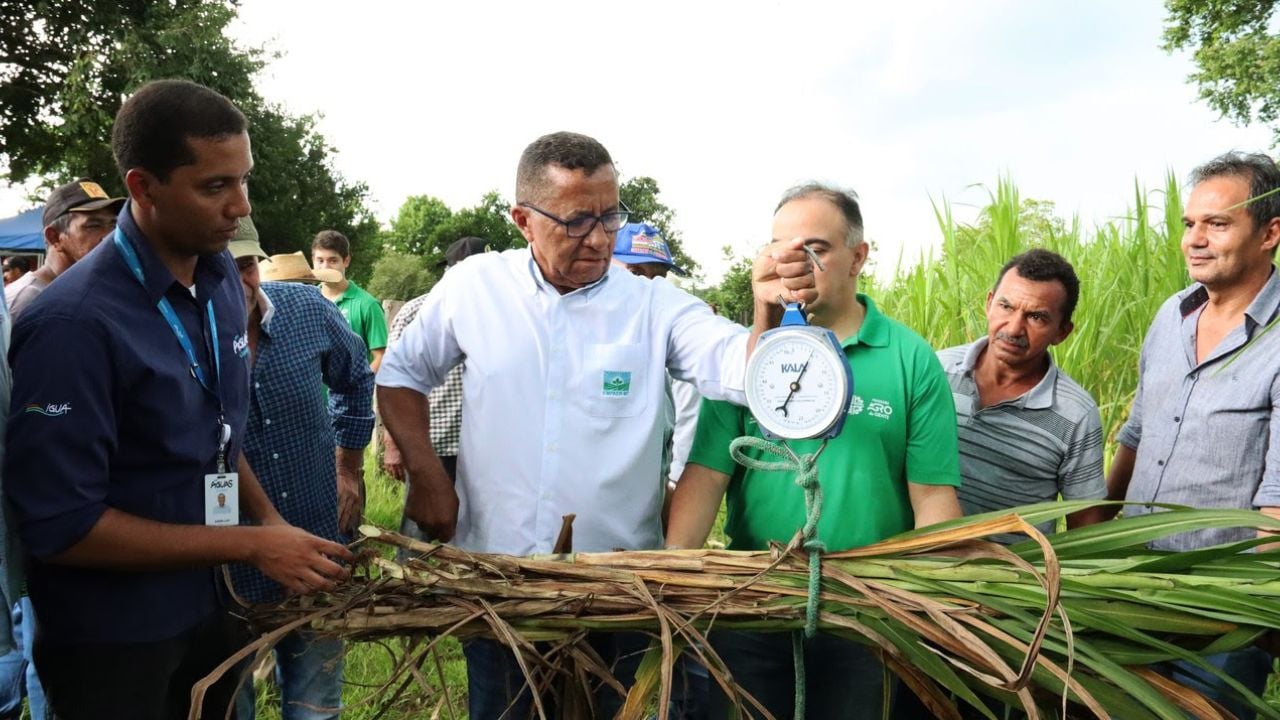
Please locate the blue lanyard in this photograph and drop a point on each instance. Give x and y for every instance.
(166, 309)
(171, 318)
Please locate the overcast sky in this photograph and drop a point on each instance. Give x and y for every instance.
(728, 104)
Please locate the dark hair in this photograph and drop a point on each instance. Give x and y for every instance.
(570, 151)
(17, 262)
(1262, 175)
(846, 201)
(332, 240)
(154, 124)
(1040, 265)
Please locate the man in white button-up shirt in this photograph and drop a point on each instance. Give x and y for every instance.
(567, 359)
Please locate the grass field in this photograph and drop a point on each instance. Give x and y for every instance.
(1127, 268)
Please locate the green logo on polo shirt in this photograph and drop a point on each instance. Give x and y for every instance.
(616, 384)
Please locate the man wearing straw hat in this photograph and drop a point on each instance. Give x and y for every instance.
(567, 357)
(1204, 429)
(307, 450)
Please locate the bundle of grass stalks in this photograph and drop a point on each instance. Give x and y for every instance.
(1065, 626)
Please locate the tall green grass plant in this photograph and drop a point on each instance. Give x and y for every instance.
(1127, 268)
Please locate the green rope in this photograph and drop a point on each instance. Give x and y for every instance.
(805, 468)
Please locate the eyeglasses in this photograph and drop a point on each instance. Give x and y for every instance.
(582, 226)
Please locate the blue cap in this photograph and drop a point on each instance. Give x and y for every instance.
(640, 243)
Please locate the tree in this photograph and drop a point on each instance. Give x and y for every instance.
(733, 297)
(1237, 55)
(296, 193)
(640, 194)
(490, 220)
(414, 223)
(425, 227)
(401, 276)
(66, 66)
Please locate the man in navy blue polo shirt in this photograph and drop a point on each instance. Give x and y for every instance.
(127, 424)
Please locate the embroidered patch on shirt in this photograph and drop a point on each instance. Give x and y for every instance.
(50, 410)
(616, 384)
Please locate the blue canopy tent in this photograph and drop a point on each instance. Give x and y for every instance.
(23, 233)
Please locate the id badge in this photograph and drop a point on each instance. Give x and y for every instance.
(222, 499)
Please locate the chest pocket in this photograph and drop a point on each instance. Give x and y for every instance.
(613, 384)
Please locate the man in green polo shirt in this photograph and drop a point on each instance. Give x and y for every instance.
(894, 466)
(332, 250)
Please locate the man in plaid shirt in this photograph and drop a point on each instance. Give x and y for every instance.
(307, 453)
(445, 401)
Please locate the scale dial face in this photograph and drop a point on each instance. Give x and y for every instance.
(797, 385)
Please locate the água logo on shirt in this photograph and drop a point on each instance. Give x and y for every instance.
(50, 410)
(616, 383)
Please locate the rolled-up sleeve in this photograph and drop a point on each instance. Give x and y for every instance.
(428, 349)
(62, 431)
(350, 382)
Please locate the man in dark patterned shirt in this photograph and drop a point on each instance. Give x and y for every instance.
(298, 344)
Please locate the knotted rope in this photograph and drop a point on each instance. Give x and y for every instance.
(805, 468)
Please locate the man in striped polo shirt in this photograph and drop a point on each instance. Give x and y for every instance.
(1028, 432)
